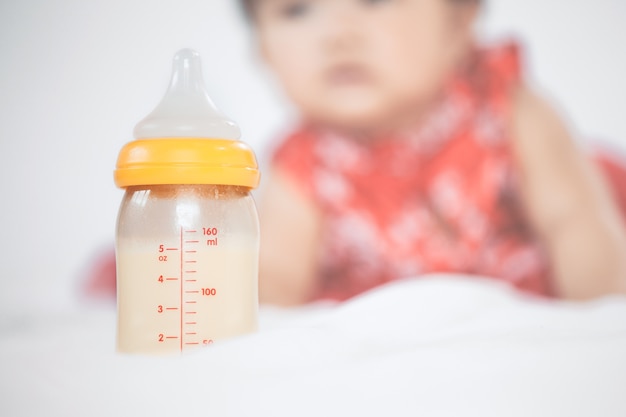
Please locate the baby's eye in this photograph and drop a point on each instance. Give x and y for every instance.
(295, 9)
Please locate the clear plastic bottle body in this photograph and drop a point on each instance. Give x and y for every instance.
(187, 266)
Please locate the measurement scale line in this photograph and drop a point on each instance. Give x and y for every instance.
(191, 251)
(192, 241)
(171, 248)
(191, 262)
(190, 302)
(190, 322)
(171, 308)
(181, 289)
(191, 292)
(171, 337)
(192, 343)
(190, 231)
(171, 279)
(191, 272)
(191, 280)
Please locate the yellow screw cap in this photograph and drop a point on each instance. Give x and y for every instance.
(186, 161)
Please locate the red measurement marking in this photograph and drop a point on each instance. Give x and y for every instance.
(191, 333)
(190, 302)
(171, 248)
(192, 343)
(172, 308)
(190, 322)
(182, 272)
(171, 279)
(181, 290)
(191, 312)
(191, 280)
(171, 337)
(187, 280)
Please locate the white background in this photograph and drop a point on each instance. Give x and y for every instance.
(76, 76)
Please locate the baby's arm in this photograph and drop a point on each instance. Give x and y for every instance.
(289, 242)
(568, 203)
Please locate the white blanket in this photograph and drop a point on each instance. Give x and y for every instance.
(437, 346)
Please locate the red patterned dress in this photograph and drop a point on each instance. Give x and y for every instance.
(440, 199)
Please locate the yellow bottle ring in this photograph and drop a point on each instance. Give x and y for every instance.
(186, 161)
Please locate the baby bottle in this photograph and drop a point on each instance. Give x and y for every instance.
(187, 239)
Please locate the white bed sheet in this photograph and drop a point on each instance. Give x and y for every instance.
(436, 346)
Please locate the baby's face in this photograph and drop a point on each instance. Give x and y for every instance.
(363, 64)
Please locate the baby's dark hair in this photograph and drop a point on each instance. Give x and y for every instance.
(248, 6)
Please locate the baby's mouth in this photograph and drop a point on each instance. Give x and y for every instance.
(348, 75)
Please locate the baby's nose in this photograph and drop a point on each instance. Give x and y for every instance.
(341, 27)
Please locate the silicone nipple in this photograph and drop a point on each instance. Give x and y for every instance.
(186, 110)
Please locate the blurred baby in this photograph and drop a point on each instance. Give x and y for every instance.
(420, 151)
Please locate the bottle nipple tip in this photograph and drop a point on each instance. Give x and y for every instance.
(186, 53)
(187, 60)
